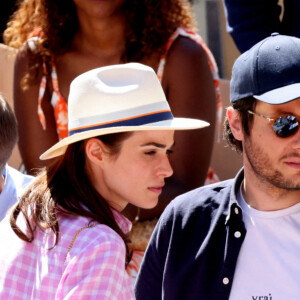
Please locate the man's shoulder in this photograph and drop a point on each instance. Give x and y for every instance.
(196, 212)
(214, 191)
(205, 198)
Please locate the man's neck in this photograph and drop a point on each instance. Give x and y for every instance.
(264, 196)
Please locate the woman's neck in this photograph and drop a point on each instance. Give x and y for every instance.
(106, 36)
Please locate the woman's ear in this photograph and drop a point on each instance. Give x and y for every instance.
(235, 123)
(94, 150)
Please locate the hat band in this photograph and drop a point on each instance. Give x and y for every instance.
(133, 121)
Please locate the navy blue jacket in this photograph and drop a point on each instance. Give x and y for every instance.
(194, 248)
(250, 21)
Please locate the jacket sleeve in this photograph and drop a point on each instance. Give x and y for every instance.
(150, 278)
(250, 21)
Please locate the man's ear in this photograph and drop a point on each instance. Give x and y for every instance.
(95, 151)
(235, 123)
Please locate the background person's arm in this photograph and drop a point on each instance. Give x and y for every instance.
(33, 140)
(250, 21)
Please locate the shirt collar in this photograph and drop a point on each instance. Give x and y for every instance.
(234, 208)
(122, 221)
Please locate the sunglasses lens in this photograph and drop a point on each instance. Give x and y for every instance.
(285, 126)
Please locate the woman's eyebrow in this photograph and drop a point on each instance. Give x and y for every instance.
(158, 145)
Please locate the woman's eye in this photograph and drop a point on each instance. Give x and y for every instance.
(152, 152)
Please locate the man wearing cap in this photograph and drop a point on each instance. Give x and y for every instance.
(240, 239)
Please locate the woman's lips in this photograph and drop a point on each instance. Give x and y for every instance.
(156, 189)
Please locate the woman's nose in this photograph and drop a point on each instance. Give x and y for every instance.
(165, 168)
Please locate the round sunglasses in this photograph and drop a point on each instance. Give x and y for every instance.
(283, 125)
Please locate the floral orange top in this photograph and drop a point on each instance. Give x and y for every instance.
(58, 102)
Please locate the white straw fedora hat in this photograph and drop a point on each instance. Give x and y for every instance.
(117, 98)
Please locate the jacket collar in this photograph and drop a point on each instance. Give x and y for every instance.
(234, 209)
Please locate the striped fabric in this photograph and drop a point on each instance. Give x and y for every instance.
(92, 268)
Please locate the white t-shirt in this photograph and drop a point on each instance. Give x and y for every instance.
(268, 266)
(15, 182)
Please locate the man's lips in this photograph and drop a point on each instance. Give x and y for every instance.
(292, 160)
(293, 164)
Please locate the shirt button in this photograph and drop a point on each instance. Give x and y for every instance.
(225, 280)
(236, 210)
(237, 234)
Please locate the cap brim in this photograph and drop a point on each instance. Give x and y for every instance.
(280, 95)
(174, 124)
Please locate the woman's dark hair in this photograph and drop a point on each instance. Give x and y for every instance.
(242, 106)
(64, 187)
(149, 23)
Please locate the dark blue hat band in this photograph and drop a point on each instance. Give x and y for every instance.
(133, 121)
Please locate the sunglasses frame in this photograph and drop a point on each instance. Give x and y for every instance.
(273, 120)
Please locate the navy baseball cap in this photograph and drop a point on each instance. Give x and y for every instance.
(269, 71)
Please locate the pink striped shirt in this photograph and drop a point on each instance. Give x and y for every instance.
(91, 268)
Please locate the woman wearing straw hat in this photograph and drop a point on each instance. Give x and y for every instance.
(67, 237)
(59, 40)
